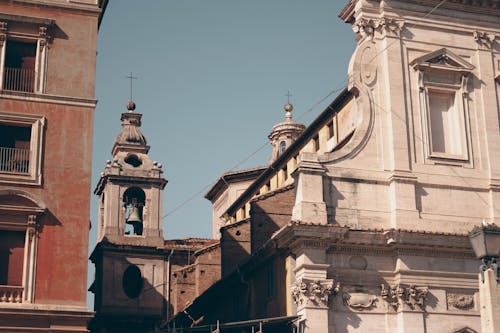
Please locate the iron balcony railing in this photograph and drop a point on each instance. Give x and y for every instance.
(14, 160)
(19, 79)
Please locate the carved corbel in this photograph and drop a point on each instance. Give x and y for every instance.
(42, 36)
(484, 39)
(3, 32)
(465, 80)
(316, 293)
(421, 85)
(32, 226)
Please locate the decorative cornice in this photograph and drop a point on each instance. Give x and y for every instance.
(45, 98)
(314, 293)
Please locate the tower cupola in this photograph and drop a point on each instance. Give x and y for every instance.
(285, 133)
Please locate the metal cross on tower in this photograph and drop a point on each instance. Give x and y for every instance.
(288, 95)
(131, 77)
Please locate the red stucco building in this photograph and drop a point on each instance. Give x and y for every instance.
(47, 75)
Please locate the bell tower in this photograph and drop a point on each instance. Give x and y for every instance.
(130, 189)
(129, 256)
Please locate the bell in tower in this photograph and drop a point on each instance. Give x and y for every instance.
(134, 201)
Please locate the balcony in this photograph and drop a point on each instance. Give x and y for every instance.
(14, 160)
(19, 79)
(11, 294)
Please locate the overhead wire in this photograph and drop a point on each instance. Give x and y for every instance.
(339, 87)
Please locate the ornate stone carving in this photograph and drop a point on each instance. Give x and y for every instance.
(314, 292)
(412, 296)
(3, 32)
(32, 226)
(42, 36)
(359, 301)
(484, 39)
(460, 301)
(367, 27)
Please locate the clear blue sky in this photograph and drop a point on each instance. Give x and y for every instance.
(212, 82)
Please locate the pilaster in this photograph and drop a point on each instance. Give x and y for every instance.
(310, 205)
(489, 294)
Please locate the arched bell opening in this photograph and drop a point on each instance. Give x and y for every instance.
(134, 200)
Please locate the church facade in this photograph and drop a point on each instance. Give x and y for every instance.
(360, 225)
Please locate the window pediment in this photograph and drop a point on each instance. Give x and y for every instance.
(444, 60)
(465, 330)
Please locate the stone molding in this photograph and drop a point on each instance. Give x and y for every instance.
(410, 297)
(314, 293)
(484, 39)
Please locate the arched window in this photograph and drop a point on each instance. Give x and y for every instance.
(282, 147)
(134, 199)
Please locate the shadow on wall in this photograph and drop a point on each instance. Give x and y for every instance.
(269, 213)
(131, 304)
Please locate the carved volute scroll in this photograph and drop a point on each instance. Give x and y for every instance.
(398, 296)
(368, 27)
(484, 39)
(314, 293)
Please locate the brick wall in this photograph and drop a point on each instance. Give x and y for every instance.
(269, 213)
(235, 245)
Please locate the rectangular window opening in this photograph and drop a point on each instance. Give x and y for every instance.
(316, 143)
(11, 257)
(445, 123)
(19, 70)
(331, 132)
(14, 148)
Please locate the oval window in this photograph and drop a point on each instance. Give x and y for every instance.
(132, 281)
(133, 160)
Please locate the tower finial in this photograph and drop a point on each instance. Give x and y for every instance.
(131, 104)
(288, 106)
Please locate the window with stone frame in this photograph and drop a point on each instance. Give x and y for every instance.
(23, 53)
(21, 139)
(442, 78)
(18, 243)
(446, 124)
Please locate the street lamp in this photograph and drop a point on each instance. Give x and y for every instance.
(485, 241)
